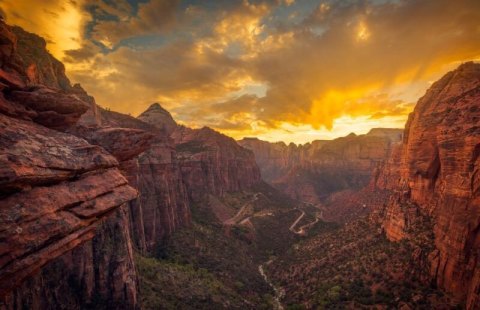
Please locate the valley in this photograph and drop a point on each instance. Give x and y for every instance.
(104, 210)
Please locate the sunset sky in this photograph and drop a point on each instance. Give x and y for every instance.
(288, 70)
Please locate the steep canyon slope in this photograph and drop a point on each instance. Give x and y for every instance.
(63, 198)
(104, 210)
(422, 237)
(314, 171)
(83, 188)
(439, 176)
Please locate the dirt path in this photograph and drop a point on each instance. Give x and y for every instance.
(279, 292)
(302, 230)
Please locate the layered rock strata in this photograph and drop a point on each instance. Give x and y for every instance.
(436, 173)
(313, 171)
(64, 237)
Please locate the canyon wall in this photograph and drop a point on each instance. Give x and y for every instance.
(181, 166)
(162, 205)
(313, 171)
(63, 152)
(64, 227)
(210, 162)
(436, 174)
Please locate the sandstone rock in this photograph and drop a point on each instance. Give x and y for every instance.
(162, 205)
(123, 143)
(313, 171)
(35, 63)
(55, 190)
(93, 116)
(274, 159)
(15, 110)
(115, 119)
(159, 117)
(55, 109)
(212, 163)
(45, 222)
(96, 274)
(439, 175)
(34, 155)
(8, 44)
(11, 79)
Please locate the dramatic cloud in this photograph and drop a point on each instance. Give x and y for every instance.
(59, 22)
(283, 70)
(151, 17)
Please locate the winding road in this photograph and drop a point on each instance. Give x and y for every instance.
(302, 230)
(292, 227)
(235, 219)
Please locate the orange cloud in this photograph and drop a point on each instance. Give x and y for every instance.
(59, 22)
(320, 69)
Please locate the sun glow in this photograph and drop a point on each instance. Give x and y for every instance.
(362, 32)
(59, 22)
(283, 70)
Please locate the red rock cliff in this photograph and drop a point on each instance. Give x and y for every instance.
(313, 171)
(439, 177)
(214, 163)
(162, 205)
(210, 162)
(64, 241)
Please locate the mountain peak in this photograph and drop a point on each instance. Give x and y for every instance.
(157, 116)
(156, 106)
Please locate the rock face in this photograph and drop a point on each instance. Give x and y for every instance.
(212, 163)
(160, 118)
(98, 274)
(162, 205)
(181, 166)
(313, 171)
(439, 177)
(123, 143)
(64, 237)
(31, 56)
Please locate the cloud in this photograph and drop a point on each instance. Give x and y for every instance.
(152, 17)
(320, 66)
(366, 49)
(61, 23)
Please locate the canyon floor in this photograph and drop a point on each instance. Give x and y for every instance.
(278, 253)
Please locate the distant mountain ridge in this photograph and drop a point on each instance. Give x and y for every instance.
(314, 170)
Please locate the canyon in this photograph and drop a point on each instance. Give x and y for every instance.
(314, 171)
(104, 210)
(438, 177)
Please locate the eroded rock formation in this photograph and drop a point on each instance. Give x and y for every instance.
(162, 205)
(439, 177)
(210, 162)
(313, 171)
(213, 163)
(64, 227)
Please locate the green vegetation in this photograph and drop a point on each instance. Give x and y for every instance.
(210, 265)
(169, 285)
(355, 266)
(191, 147)
(213, 267)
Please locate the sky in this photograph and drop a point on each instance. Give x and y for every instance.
(280, 70)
